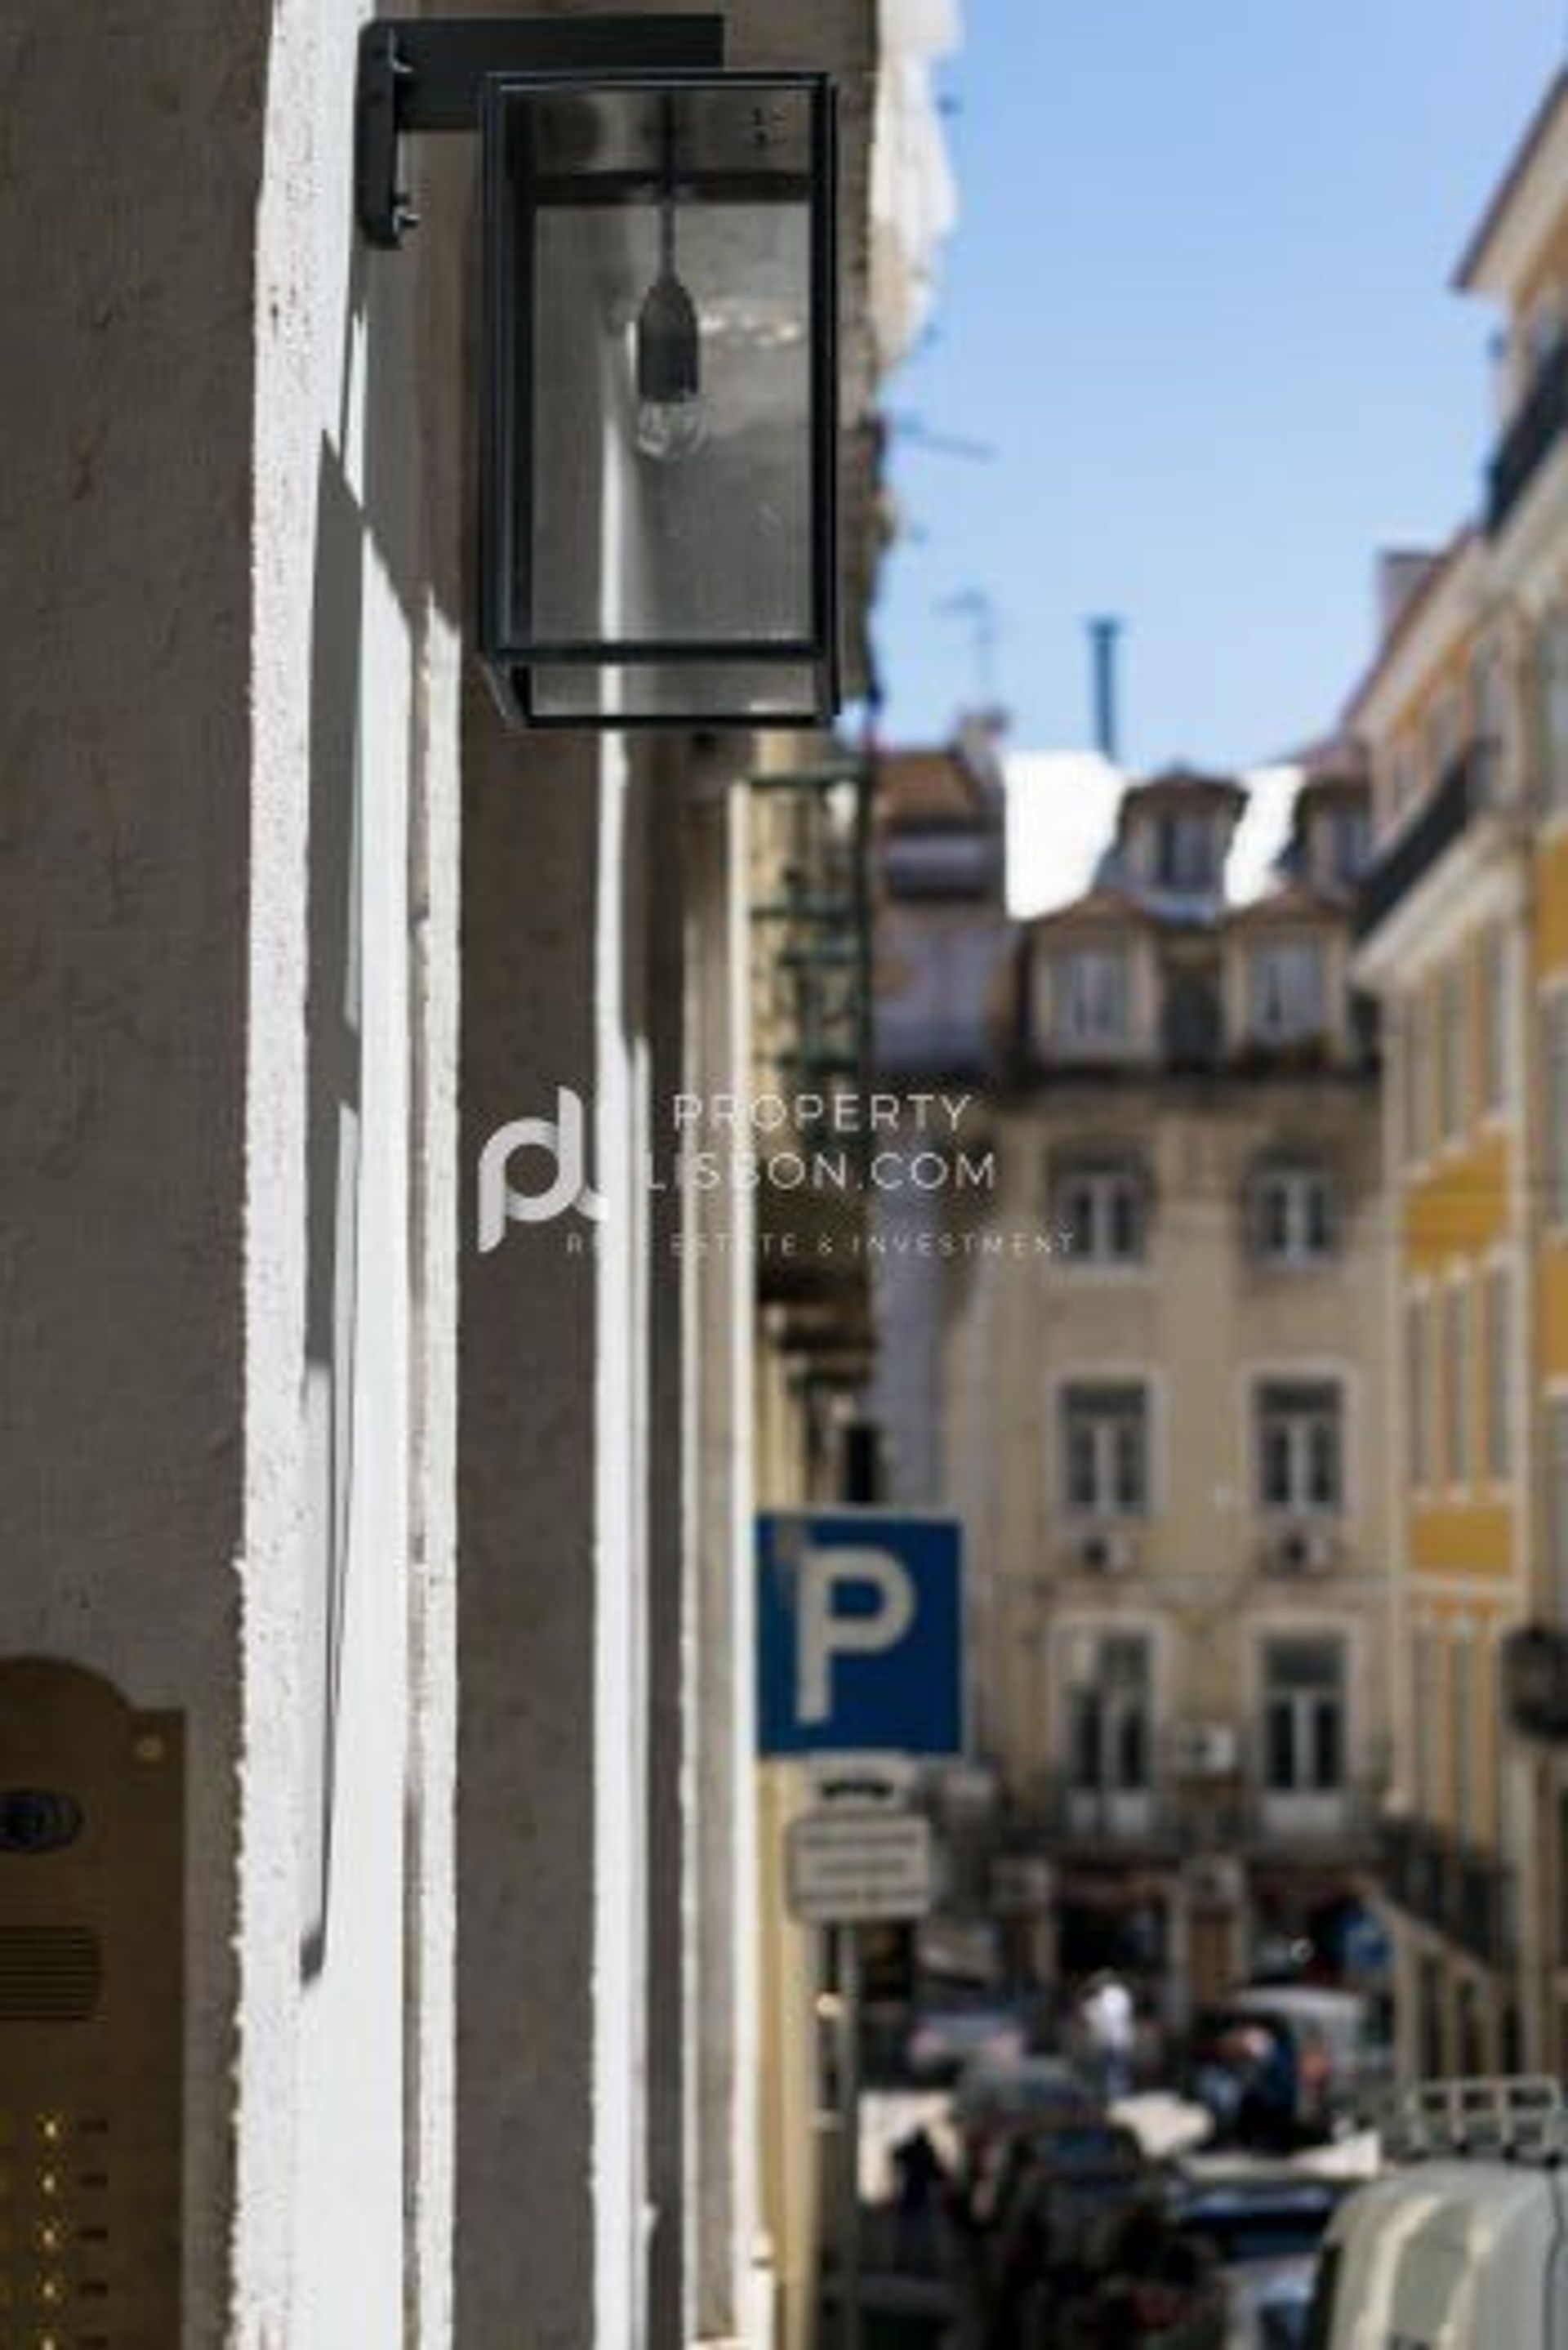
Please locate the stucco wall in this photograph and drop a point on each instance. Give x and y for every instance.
(125, 554)
(222, 706)
(345, 2094)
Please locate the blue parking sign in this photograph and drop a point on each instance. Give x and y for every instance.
(860, 1633)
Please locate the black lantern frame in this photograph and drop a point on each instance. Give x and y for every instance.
(801, 669)
(430, 75)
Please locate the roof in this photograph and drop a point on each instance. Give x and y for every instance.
(921, 787)
(1473, 260)
(1261, 837)
(1061, 819)
(1099, 905)
(1064, 813)
(1297, 901)
(933, 790)
(1186, 782)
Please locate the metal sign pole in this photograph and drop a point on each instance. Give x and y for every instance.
(849, 2130)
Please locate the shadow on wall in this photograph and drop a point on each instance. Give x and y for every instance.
(334, 1049)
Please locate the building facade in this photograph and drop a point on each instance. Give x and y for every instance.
(378, 1889)
(1464, 935)
(1160, 1373)
(942, 937)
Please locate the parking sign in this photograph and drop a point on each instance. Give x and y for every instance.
(860, 1634)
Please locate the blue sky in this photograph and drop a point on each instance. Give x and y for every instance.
(1200, 303)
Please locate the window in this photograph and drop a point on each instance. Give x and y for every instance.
(1184, 852)
(1552, 674)
(1303, 1715)
(1456, 1386)
(1300, 1446)
(1427, 1693)
(1416, 1096)
(1442, 738)
(1493, 1039)
(1286, 990)
(1489, 682)
(1401, 778)
(1464, 1738)
(1499, 1373)
(1555, 1090)
(1418, 1390)
(1193, 1026)
(1110, 1709)
(1557, 1499)
(1105, 1431)
(1102, 1212)
(1344, 844)
(1450, 1055)
(1091, 997)
(1291, 1214)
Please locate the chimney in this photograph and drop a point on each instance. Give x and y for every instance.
(1401, 573)
(1105, 637)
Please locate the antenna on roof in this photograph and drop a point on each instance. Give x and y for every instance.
(1105, 646)
(978, 610)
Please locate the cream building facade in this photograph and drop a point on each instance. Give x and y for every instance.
(1160, 1358)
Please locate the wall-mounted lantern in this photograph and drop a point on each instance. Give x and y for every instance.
(659, 444)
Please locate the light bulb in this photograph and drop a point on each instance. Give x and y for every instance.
(669, 430)
(671, 418)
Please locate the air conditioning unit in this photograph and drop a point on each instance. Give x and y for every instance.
(1306, 1549)
(1205, 1749)
(1108, 1550)
(1215, 1882)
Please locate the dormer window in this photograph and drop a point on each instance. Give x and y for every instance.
(1286, 991)
(1343, 844)
(1184, 851)
(1090, 999)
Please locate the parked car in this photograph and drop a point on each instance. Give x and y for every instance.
(942, 2041)
(1068, 2173)
(1464, 2245)
(996, 2095)
(1266, 2234)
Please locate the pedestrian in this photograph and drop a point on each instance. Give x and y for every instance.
(920, 2180)
(1110, 2027)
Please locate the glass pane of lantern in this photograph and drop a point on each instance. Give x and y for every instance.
(664, 494)
(634, 692)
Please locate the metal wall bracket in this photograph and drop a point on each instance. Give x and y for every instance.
(429, 74)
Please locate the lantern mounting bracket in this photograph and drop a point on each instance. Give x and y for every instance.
(429, 74)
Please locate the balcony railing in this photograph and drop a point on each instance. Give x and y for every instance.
(1468, 785)
(1530, 439)
(811, 998)
(1179, 1819)
(1461, 1893)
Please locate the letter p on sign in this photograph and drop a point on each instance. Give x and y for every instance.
(829, 1629)
(860, 1621)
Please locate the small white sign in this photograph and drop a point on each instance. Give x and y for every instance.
(853, 1864)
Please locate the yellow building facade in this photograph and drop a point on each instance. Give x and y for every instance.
(1464, 938)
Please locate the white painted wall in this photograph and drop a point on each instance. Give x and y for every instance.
(352, 784)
